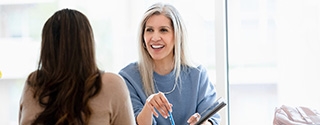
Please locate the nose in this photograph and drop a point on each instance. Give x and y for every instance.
(155, 37)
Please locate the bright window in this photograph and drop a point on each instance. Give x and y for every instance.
(273, 48)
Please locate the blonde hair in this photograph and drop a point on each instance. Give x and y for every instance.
(145, 62)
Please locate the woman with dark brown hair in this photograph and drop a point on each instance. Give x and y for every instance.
(68, 88)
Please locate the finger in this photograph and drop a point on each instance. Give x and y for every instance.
(165, 101)
(194, 118)
(154, 112)
(197, 115)
(159, 104)
(155, 102)
(151, 106)
(191, 120)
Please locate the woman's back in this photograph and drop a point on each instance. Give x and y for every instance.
(68, 88)
(111, 106)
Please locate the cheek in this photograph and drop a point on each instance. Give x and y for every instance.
(172, 46)
(145, 42)
(146, 38)
(172, 42)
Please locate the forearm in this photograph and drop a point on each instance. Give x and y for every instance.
(145, 116)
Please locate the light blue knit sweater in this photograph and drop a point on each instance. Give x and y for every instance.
(194, 93)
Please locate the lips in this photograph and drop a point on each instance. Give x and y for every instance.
(157, 46)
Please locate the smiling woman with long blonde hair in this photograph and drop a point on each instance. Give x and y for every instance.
(163, 83)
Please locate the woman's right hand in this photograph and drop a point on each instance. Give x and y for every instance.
(159, 102)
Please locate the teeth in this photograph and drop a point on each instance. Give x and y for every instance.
(156, 46)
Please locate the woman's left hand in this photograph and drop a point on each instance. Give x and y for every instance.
(195, 118)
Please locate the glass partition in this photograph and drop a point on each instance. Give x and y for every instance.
(273, 48)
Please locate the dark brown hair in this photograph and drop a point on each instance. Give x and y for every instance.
(67, 75)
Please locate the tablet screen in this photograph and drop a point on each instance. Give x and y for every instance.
(219, 104)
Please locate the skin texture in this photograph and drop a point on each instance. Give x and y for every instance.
(159, 40)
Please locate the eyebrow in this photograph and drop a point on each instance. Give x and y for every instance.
(160, 27)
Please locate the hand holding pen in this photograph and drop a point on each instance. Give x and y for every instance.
(171, 118)
(159, 102)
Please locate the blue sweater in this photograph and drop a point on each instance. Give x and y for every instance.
(194, 93)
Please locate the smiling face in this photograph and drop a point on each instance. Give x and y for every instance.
(159, 38)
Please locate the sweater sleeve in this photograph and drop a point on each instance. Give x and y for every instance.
(124, 112)
(132, 78)
(207, 96)
(29, 107)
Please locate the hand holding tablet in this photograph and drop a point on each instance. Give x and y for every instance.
(219, 104)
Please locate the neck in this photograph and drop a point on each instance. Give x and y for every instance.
(163, 67)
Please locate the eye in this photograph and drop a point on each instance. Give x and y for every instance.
(148, 30)
(163, 30)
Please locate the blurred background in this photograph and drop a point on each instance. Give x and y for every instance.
(272, 48)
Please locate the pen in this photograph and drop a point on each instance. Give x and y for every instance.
(171, 118)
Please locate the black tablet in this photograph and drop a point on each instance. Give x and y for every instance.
(219, 104)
